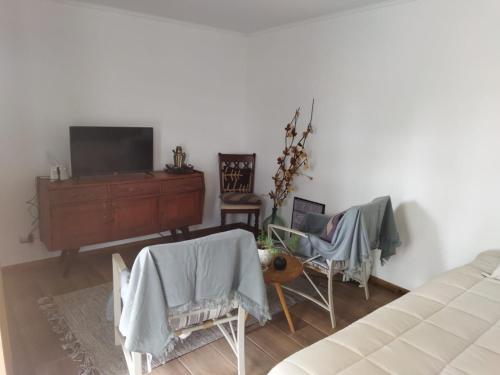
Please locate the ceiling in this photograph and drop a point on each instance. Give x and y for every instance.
(245, 16)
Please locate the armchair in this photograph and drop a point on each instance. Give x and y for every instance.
(361, 229)
(178, 288)
(318, 264)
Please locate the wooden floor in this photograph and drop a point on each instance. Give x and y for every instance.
(36, 350)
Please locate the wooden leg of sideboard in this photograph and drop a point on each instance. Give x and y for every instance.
(185, 233)
(69, 257)
(62, 257)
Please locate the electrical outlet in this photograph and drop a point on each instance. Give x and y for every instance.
(27, 239)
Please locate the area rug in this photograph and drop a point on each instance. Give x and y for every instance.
(79, 319)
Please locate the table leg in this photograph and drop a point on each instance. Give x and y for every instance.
(282, 299)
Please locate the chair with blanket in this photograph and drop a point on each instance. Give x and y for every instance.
(175, 289)
(341, 244)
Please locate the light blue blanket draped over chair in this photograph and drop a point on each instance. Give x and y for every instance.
(178, 288)
(361, 229)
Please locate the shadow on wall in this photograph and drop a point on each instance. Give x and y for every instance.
(421, 247)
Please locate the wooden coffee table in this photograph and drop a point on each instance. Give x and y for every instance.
(272, 276)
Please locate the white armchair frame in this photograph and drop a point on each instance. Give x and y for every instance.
(236, 340)
(329, 269)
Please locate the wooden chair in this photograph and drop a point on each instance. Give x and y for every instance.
(237, 177)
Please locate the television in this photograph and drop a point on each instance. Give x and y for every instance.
(104, 150)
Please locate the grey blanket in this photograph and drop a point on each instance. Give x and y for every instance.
(362, 229)
(172, 279)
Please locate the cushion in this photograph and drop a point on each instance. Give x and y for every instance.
(240, 198)
(330, 227)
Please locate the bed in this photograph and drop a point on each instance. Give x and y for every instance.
(448, 326)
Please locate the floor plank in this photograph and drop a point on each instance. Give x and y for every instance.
(174, 367)
(21, 362)
(274, 342)
(317, 317)
(59, 366)
(256, 360)
(207, 361)
(304, 334)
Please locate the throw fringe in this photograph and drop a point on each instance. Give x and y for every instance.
(258, 311)
(69, 342)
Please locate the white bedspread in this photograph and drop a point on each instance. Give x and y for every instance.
(448, 326)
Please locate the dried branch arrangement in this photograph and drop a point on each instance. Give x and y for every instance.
(292, 160)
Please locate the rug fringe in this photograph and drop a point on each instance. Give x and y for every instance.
(69, 342)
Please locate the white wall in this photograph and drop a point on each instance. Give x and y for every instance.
(12, 121)
(65, 64)
(407, 105)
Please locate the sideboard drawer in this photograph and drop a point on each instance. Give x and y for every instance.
(182, 185)
(81, 194)
(135, 189)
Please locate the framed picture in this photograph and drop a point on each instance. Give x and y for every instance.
(301, 207)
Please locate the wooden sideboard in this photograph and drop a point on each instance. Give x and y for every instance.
(76, 213)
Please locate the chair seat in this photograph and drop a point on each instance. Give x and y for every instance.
(240, 198)
(319, 263)
(226, 206)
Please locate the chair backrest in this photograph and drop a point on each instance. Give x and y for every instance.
(236, 172)
(314, 223)
(150, 330)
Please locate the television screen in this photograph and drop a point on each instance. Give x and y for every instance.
(97, 150)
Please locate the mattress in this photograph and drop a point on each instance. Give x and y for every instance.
(451, 325)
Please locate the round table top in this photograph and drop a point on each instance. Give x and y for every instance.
(293, 270)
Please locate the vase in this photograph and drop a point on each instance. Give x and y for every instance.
(265, 257)
(274, 218)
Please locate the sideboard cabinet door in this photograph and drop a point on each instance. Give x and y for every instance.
(135, 217)
(181, 210)
(80, 223)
